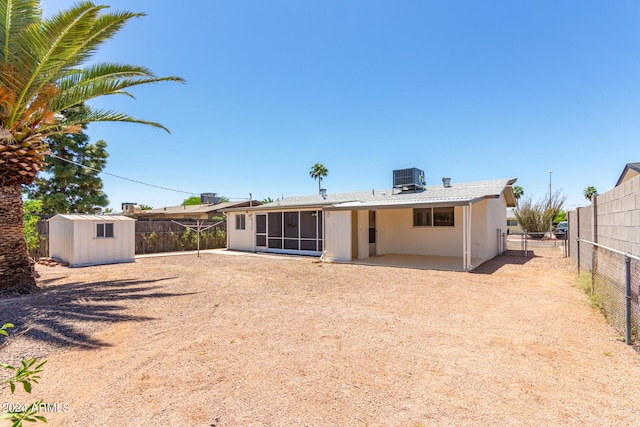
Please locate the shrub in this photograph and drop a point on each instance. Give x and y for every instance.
(537, 217)
(26, 374)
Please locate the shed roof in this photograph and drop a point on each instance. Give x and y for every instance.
(456, 194)
(82, 217)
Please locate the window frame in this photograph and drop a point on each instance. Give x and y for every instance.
(416, 217)
(431, 217)
(241, 222)
(107, 232)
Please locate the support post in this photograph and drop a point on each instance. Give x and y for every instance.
(627, 262)
(578, 253)
(593, 266)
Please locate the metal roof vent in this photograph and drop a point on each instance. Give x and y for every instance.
(323, 193)
(411, 179)
(446, 182)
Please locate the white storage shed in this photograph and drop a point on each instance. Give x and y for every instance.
(83, 240)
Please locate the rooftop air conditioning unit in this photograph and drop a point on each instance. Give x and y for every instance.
(209, 198)
(411, 179)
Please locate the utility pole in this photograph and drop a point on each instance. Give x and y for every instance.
(551, 220)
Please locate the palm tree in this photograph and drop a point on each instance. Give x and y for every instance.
(518, 192)
(318, 171)
(43, 72)
(589, 192)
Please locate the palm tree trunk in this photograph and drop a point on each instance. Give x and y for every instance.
(16, 268)
(319, 184)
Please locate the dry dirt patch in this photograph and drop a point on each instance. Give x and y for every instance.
(236, 340)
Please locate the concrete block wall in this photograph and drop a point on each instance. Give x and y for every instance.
(581, 223)
(618, 217)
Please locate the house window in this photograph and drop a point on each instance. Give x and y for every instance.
(104, 230)
(512, 222)
(240, 221)
(443, 217)
(436, 217)
(422, 217)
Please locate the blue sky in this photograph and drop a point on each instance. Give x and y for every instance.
(473, 90)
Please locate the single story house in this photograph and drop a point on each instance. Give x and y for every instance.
(450, 226)
(83, 240)
(203, 211)
(631, 170)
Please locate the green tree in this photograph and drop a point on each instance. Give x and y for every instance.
(266, 200)
(68, 186)
(561, 216)
(145, 207)
(193, 200)
(44, 72)
(30, 211)
(589, 192)
(536, 217)
(318, 171)
(518, 192)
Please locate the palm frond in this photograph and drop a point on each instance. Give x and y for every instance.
(89, 86)
(104, 28)
(101, 71)
(98, 115)
(15, 16)
(49, 47)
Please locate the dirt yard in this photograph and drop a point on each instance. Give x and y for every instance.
(253, 340)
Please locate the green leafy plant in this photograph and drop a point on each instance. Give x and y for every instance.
(30, 218)
(26, 374)
(536, 217)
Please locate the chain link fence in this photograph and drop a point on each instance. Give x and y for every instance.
(526, 242)
(615, 286)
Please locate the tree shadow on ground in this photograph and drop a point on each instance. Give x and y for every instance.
(510, 257)
(67, 315)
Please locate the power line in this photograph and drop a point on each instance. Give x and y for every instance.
(121, 177)
(132, 180)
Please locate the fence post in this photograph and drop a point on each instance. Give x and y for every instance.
(593, 266)
(578, 252)
(627, 262)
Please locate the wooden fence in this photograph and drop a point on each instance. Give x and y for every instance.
(157, 235)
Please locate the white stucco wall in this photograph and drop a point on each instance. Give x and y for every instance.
(397, 235)
(338, 235)
(241, 240)
(487, 217)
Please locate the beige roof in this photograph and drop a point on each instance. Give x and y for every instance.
(456, 194)
(194, 209)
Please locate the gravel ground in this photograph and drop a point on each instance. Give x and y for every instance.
(238, 340)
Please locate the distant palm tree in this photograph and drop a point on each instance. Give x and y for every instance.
(518, 192)
(43, 73)
(318, 171)
(589, 192)
(266, 200)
